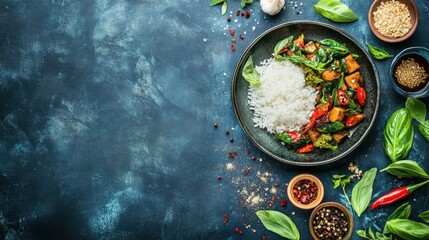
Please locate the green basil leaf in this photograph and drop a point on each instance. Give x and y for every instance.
(398, 135)
(424, 130)
(224, 8)
(371, 233)
(407, 229)
(425, 216)
(362, 191)
(244, 2)
(361, 233)
(338, 49)
(378, 53)
(417, 109)
(216, 2)
(335, 11)
(281, 44)
(336, 182)
(279, 223)
(250, 74)
(406, 169)
(402, 212)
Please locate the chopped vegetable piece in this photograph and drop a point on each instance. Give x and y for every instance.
(306, 149)
(337, 114)
(330, 75)
(325, 141)
(339, 137)
(354, 120)
(313, 134)
(351, 64)
(343, 97)
(353, 80)
(361, 95)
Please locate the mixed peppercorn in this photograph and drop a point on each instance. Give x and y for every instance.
(330, 223)
(305, 191)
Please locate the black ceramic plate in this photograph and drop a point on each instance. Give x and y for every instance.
(261, 48)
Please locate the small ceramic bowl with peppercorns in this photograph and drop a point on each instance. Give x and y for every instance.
(305, 191)
(331, 220)
(409, 72)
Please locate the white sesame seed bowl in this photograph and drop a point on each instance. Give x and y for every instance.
(393, 20)
(409, 72)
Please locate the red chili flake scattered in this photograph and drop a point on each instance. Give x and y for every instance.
(305, 191)
(231, 139)
(246, 171)
(243, 14)
(233, 40)
(231, 155)
(237, 230)
(241, 36)
(215, 125)
(247, 14)
(233, 48)
(240, 232)
(227, 132)
(273, 198)
(219, 177)
(276, 184)
(283, 202)
(264, 237)
(231, 31)
(253, 157)
(228, 18)
(225, 218)
(237, 12)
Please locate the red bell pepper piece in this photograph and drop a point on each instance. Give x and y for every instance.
(316, 114)
(343, 98)
(361, 95)
(354, 120)
(396, 194)
(295, 136)
(306, 149)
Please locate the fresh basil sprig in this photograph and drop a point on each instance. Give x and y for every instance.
(402, 212)
(408, 229)
(378, 53)
(398, 135)
(372, 236)
(279, 223)
(424, 216)
(335, 11)
(343, 181)
(338, 49)
(244, 2)
(224, 5)
(282, 44)
(406, 169)
(250, 74)
(362, 191)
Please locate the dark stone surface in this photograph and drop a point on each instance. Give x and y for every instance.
(107, 110)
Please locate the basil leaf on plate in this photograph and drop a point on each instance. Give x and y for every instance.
(408, 229)
(398, 135)
(424, 216)
(279, 223)
(424, 129)
(250, 74)
(281, 44)
(406, 169)
(338, 49)
(362, 191)
(402, 212)
(417, 109)
(378, 53)
(335, 11)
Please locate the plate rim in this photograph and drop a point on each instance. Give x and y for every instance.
(262, 148)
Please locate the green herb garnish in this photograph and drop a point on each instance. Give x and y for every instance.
(378, 53)
(335, 11)
(362, 191)
(279, 223)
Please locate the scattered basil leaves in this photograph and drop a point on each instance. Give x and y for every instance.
(250, 74)
(343, 181)
(224, 5)
(407, 229)
(417, 109)
(281, 44)
(372, 236)
(406, 169)
(279, 223)
(402, 212)
(424, 130)
(424, 216)
(398, 135)
(244, 2)
(362, 191)
(335, 11)
(378, 53)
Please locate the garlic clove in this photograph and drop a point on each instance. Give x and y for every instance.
(272, 7)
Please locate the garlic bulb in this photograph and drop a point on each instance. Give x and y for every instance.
(272, 7)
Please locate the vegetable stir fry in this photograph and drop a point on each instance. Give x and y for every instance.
(332, 69)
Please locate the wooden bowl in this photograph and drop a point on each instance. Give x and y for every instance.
(414, 17)
(312, 178)
(334, 205)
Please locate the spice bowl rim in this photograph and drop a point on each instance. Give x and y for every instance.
(342, 208)
(424, 92)
(311, 177)
(413, 13)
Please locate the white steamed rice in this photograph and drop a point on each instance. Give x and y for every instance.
(282, 102)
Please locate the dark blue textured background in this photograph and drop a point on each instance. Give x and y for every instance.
(106, 122)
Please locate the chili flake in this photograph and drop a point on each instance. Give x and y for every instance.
(305, 191)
